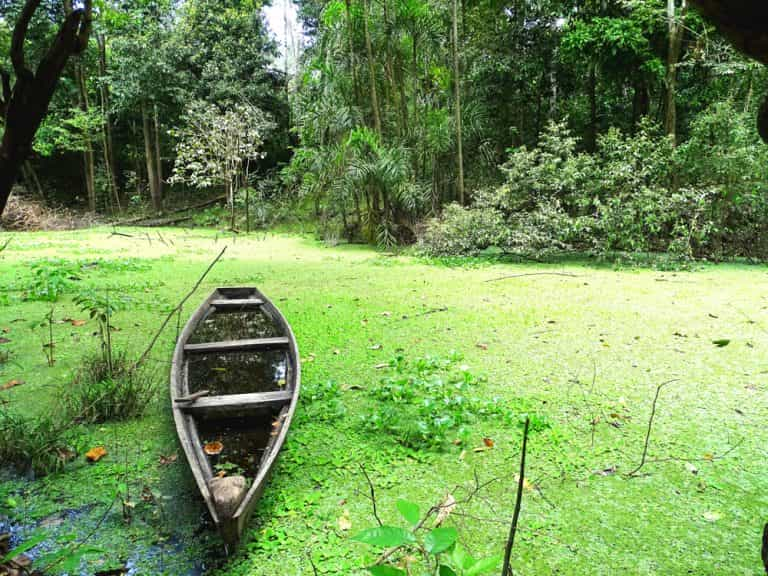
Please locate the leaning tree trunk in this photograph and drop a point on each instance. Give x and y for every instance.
(25, 104)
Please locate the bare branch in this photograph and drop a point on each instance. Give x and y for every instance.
(506, 568)
(176, 309)
(19, 36)
(650, 427)
(373, 495)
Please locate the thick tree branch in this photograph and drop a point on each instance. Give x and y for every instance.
(19, 37)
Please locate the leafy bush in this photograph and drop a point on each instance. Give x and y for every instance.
(464, 231)
(637, 193)
(102, 393)
(426, 402)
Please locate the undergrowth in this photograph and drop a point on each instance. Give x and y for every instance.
(111, 390)
(39, 445)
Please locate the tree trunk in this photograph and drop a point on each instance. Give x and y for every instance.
(31, 181)
(351, 49)
(371, 70)
(26, 104)
(109, 145)
(149, 156)
(592, 133)
(158, 156)
(457, 105)
(89, 162)
(676, 32)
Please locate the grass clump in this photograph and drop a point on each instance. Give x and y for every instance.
(109, 390)
(34, 446)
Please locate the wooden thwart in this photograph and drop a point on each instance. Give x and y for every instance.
(233, 402)
(237, 303)
(237, 345)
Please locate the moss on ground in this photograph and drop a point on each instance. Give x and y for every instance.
(583, 352)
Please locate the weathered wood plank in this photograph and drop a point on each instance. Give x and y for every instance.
(237, 345)
(237, 303)
(232, 402)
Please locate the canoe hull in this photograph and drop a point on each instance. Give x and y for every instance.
(269, 413)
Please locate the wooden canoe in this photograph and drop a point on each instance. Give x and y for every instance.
(235, 381)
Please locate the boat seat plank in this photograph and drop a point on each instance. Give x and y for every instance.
(237, 303)
(237, 345)
(232, 402)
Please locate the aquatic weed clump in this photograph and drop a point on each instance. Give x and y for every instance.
(34, 446)
(111, 389)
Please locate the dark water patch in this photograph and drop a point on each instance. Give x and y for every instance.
(244, 439)
(238, 372)
(237, 324)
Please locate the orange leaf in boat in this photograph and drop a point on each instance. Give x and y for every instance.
(213, 448)
(95, 454)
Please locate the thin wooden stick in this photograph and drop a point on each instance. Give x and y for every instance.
(177, 308)
(650, 427)
(566, 274)
(507, 569)
(373, 495)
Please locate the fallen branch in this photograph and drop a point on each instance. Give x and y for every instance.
(205, 204)
(650, 427)
(428, 312)
(177, 309)
(506, 568)
(566, 274)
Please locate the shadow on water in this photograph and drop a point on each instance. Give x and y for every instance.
(181, 546)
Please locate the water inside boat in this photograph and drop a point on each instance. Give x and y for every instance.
(238, 372)
(244, 439)
(234, 324)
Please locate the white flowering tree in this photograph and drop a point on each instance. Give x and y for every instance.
(216, 146)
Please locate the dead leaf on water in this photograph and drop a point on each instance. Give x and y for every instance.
(482, 346)
(166, 460)
(376, 347)
(95, 454)
(712, 516)
(345, 522)
(610, 471)
(488, 442)
(528, 486)
(382, 366)
(446, 507)
(709, 457)
(213, 448)
(11, 384)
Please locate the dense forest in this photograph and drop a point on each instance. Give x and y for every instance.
(611, 125)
